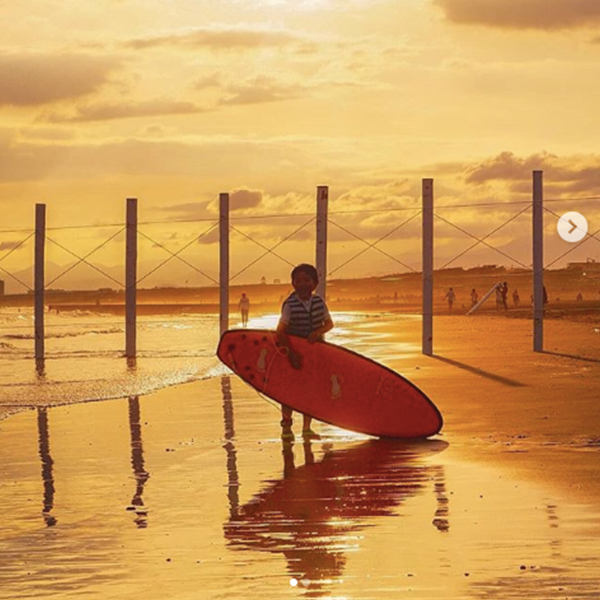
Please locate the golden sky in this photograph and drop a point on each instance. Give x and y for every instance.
(173, 102)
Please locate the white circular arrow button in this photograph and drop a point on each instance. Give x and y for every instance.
(572, 227)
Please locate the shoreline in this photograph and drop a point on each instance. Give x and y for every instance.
(523, 389)
(190, 487)
(574, 310)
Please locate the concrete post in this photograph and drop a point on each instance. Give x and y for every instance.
(538, 261)
(223, 263)
(131, 280)
(39, 277)
(427, 241)
(321, 249)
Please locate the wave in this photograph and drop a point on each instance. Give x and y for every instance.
(63, 334)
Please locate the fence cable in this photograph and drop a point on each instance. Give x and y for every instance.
(587, 238)
(84, 259)
(16, 247)
(270, 250)
(483, 242)
(248, 237)
(486, 237)
(16, 279)
(373, 246)
(176, 255)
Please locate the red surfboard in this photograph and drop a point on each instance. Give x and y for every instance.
(334, 385)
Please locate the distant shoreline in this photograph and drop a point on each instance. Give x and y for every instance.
(394, 293)
(576, 310)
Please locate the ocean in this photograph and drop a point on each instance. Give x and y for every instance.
(85, 354)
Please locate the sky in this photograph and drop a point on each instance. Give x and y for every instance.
(175, 102)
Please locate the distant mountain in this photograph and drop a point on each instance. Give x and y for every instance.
(84, 277)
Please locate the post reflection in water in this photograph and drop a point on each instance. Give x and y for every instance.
(312, 515)
(137, 462)
(47, 466)
(233, 482)
(40, 368)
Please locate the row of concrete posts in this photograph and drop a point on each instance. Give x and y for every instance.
(320, 263)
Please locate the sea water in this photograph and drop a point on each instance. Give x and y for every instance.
(85, 361)
(84, 356)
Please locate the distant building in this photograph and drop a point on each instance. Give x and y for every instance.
(589, 266)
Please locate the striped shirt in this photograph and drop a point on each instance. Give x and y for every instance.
(302, 317)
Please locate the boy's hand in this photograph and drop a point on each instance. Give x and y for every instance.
(295, 359)
(314, 336)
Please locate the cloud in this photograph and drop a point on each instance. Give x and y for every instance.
(567, 174)
(242, 198)
(523, 14)
(260, 90)
(506, 166)
(220, 39)
(35, 79)
(8, 245)
(108, 111)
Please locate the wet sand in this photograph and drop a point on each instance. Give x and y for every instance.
(189, 493)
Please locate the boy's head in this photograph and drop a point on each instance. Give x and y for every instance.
(308, 270)
(305, 279)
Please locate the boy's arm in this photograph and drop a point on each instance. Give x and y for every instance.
(320, 331)
(283, 339)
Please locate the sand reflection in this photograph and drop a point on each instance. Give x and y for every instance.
(314, 514)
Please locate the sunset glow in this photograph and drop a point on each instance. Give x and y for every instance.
(175, 102)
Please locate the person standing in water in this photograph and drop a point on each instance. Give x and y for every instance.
(306, 315)
(244, 306)
(451, 297)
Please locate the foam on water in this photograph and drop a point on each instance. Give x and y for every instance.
(85, 357)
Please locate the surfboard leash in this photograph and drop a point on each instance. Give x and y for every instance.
(278, 350)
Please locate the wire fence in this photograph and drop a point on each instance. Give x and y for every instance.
(370, 242)
(389, 236)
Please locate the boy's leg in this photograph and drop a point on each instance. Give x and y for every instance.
(307, 432)
(286, 423)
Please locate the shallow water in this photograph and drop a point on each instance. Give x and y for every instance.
(188, 493)
(85, 355)
(192, 495)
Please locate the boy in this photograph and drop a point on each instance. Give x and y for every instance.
(304, 314)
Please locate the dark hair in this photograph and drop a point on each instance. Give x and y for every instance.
(308, 269)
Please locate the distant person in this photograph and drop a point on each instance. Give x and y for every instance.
(451, 297)
(545, 295)
(516, 298)
(244, 306)
(474, 297)
(306, 315)
(504, 295)
(498, 296)
(579, 297)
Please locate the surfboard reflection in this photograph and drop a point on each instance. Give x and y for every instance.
(312, 515)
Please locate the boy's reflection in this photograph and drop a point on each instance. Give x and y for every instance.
(312, 515)
(137, 462)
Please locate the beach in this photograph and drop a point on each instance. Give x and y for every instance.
(188, 492)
